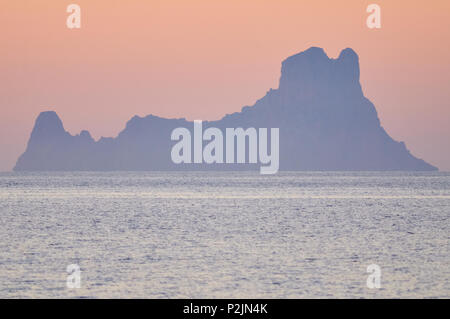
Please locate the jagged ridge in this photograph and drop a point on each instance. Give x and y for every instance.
(325, 123)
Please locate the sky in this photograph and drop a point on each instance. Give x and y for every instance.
(202, 59)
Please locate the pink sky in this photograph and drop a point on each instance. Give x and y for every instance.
(130, 57)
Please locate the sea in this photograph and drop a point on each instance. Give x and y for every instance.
(224, 235)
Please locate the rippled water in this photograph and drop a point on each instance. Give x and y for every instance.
(208, 234)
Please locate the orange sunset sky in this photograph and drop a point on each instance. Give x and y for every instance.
(201, 59)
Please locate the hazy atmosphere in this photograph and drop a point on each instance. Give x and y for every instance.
(174, 149)
(204, 59)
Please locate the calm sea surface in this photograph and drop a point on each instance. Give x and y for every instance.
(230, 235)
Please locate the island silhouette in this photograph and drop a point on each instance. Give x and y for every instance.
(324, 120)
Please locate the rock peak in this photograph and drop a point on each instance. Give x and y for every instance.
(311, 55)
(48, 117)
(314, 72)
(48, 124)
(348, 53)
(348, 65)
